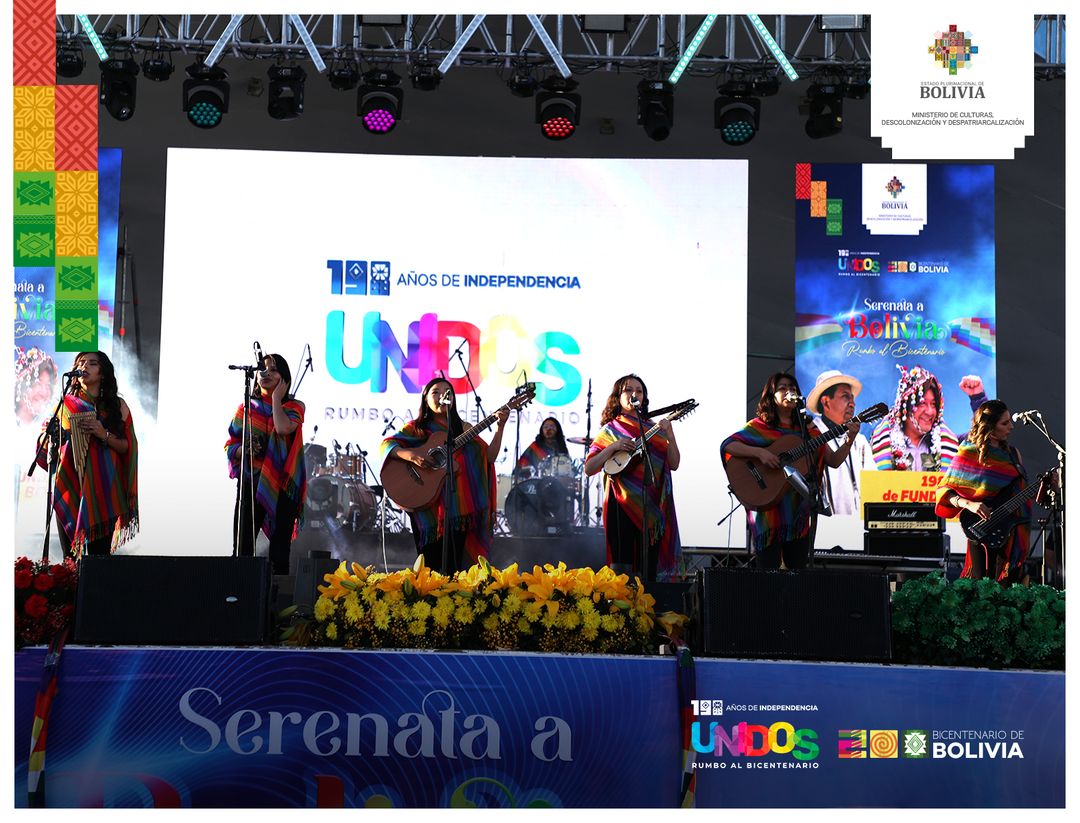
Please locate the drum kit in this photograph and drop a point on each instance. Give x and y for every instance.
(549, 498)
(338, 494)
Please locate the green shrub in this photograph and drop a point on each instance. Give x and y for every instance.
(978, 623)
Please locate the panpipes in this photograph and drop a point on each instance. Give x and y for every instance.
(80, 440)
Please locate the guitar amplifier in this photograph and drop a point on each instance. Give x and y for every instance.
(902, 517)
(909, 544)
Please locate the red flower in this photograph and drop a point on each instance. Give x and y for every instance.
(23, 578)
(36, 605)
(43, 582)
(23, 563)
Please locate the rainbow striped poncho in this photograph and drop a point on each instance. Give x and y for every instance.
(789, 519)
(471, 509)
(281, 468)
(625, 489)
(106, 498)
(974, 480)
(536, 454)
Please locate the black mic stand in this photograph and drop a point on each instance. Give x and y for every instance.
(586, 503)
(1057, 511)
(246, 461)
(813, 481)
(451, 560)
(648, 479)
(480, 414)
(295, 388)
(50, 439)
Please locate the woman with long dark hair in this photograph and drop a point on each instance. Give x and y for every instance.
(782, 531)
(96, 497)
(985, 466)
(625, 506)
(549, 442)
(274, 468)
(472, 498)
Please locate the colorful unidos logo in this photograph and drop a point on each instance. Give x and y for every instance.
(894, 187)
(752, 740)
(952, 49)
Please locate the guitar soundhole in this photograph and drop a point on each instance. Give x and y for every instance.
(437, 458)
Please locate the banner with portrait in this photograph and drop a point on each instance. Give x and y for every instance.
(894, 296)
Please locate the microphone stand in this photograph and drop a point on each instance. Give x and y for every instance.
(50, 439)
(812, 482)
(480, 413)
(585, 501)
(246, 461)
(648, 479)
(1057, 512)
(294, 389)
(451, 562)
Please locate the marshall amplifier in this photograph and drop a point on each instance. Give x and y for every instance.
(930, 546)
(902, 517)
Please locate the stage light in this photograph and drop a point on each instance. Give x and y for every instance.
(286, 98)
(158, 66)
(206, 95)
(736, 113)
(857, 84)
(343, 74)
(656, 108)
(765, 85)
(841, 22)
(70, 61)
(379, 101)
(424, 75)
(825, 102)
(522, 83)
(116, 91)
(558, 108)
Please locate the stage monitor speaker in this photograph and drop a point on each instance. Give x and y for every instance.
(142, 600)
(310, 574)
(807, 615)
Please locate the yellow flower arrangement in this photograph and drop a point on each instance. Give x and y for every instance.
(550, 608)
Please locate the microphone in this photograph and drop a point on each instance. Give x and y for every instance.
(259, 356)
(793, 396)
(75, 373)
(389, 424)
(796, 480)
(311, 368)
(635, 403)
(337, 446)
(1025, 416)
(445, 400)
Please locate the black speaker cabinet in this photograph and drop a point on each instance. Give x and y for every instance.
(142, 600)
(806, 615)
(930, 545)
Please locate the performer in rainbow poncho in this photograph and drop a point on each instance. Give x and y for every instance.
(625, 506)
(97, 509)
(471, 500)
(274, 467)
(549, 441)
(985, 466)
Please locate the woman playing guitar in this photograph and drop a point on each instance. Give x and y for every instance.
(624, 514)
(985, 467)
(472, 498)
(783, 529)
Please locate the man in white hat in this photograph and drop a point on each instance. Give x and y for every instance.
(833, 399)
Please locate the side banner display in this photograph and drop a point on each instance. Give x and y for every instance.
(825, 735)
(894, 295)
(263, 728)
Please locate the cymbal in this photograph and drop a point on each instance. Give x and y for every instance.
(578, 441)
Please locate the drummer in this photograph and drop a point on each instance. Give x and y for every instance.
(549, 441)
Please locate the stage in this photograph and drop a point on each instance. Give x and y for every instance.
(275, 727)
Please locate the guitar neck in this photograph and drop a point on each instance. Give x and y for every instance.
(1005, 510)
(813, 445)
(474, 430)
(656, 426)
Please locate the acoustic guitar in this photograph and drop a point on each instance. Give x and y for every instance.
(620, 460)
(759, 487)
(415, 487)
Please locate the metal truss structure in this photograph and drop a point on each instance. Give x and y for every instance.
(649, 45)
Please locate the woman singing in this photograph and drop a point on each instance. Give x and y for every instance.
(549, 441)
(471, 500)
(274, 466)
(985, 466)
(625, 507)
(781, 531)
(96, 509)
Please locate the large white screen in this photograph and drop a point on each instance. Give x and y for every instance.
(645, 267)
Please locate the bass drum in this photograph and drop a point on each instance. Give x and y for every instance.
(540, 506)
(340, 501)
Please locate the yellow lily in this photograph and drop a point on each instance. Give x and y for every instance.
(508, 578)
(340, 583)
